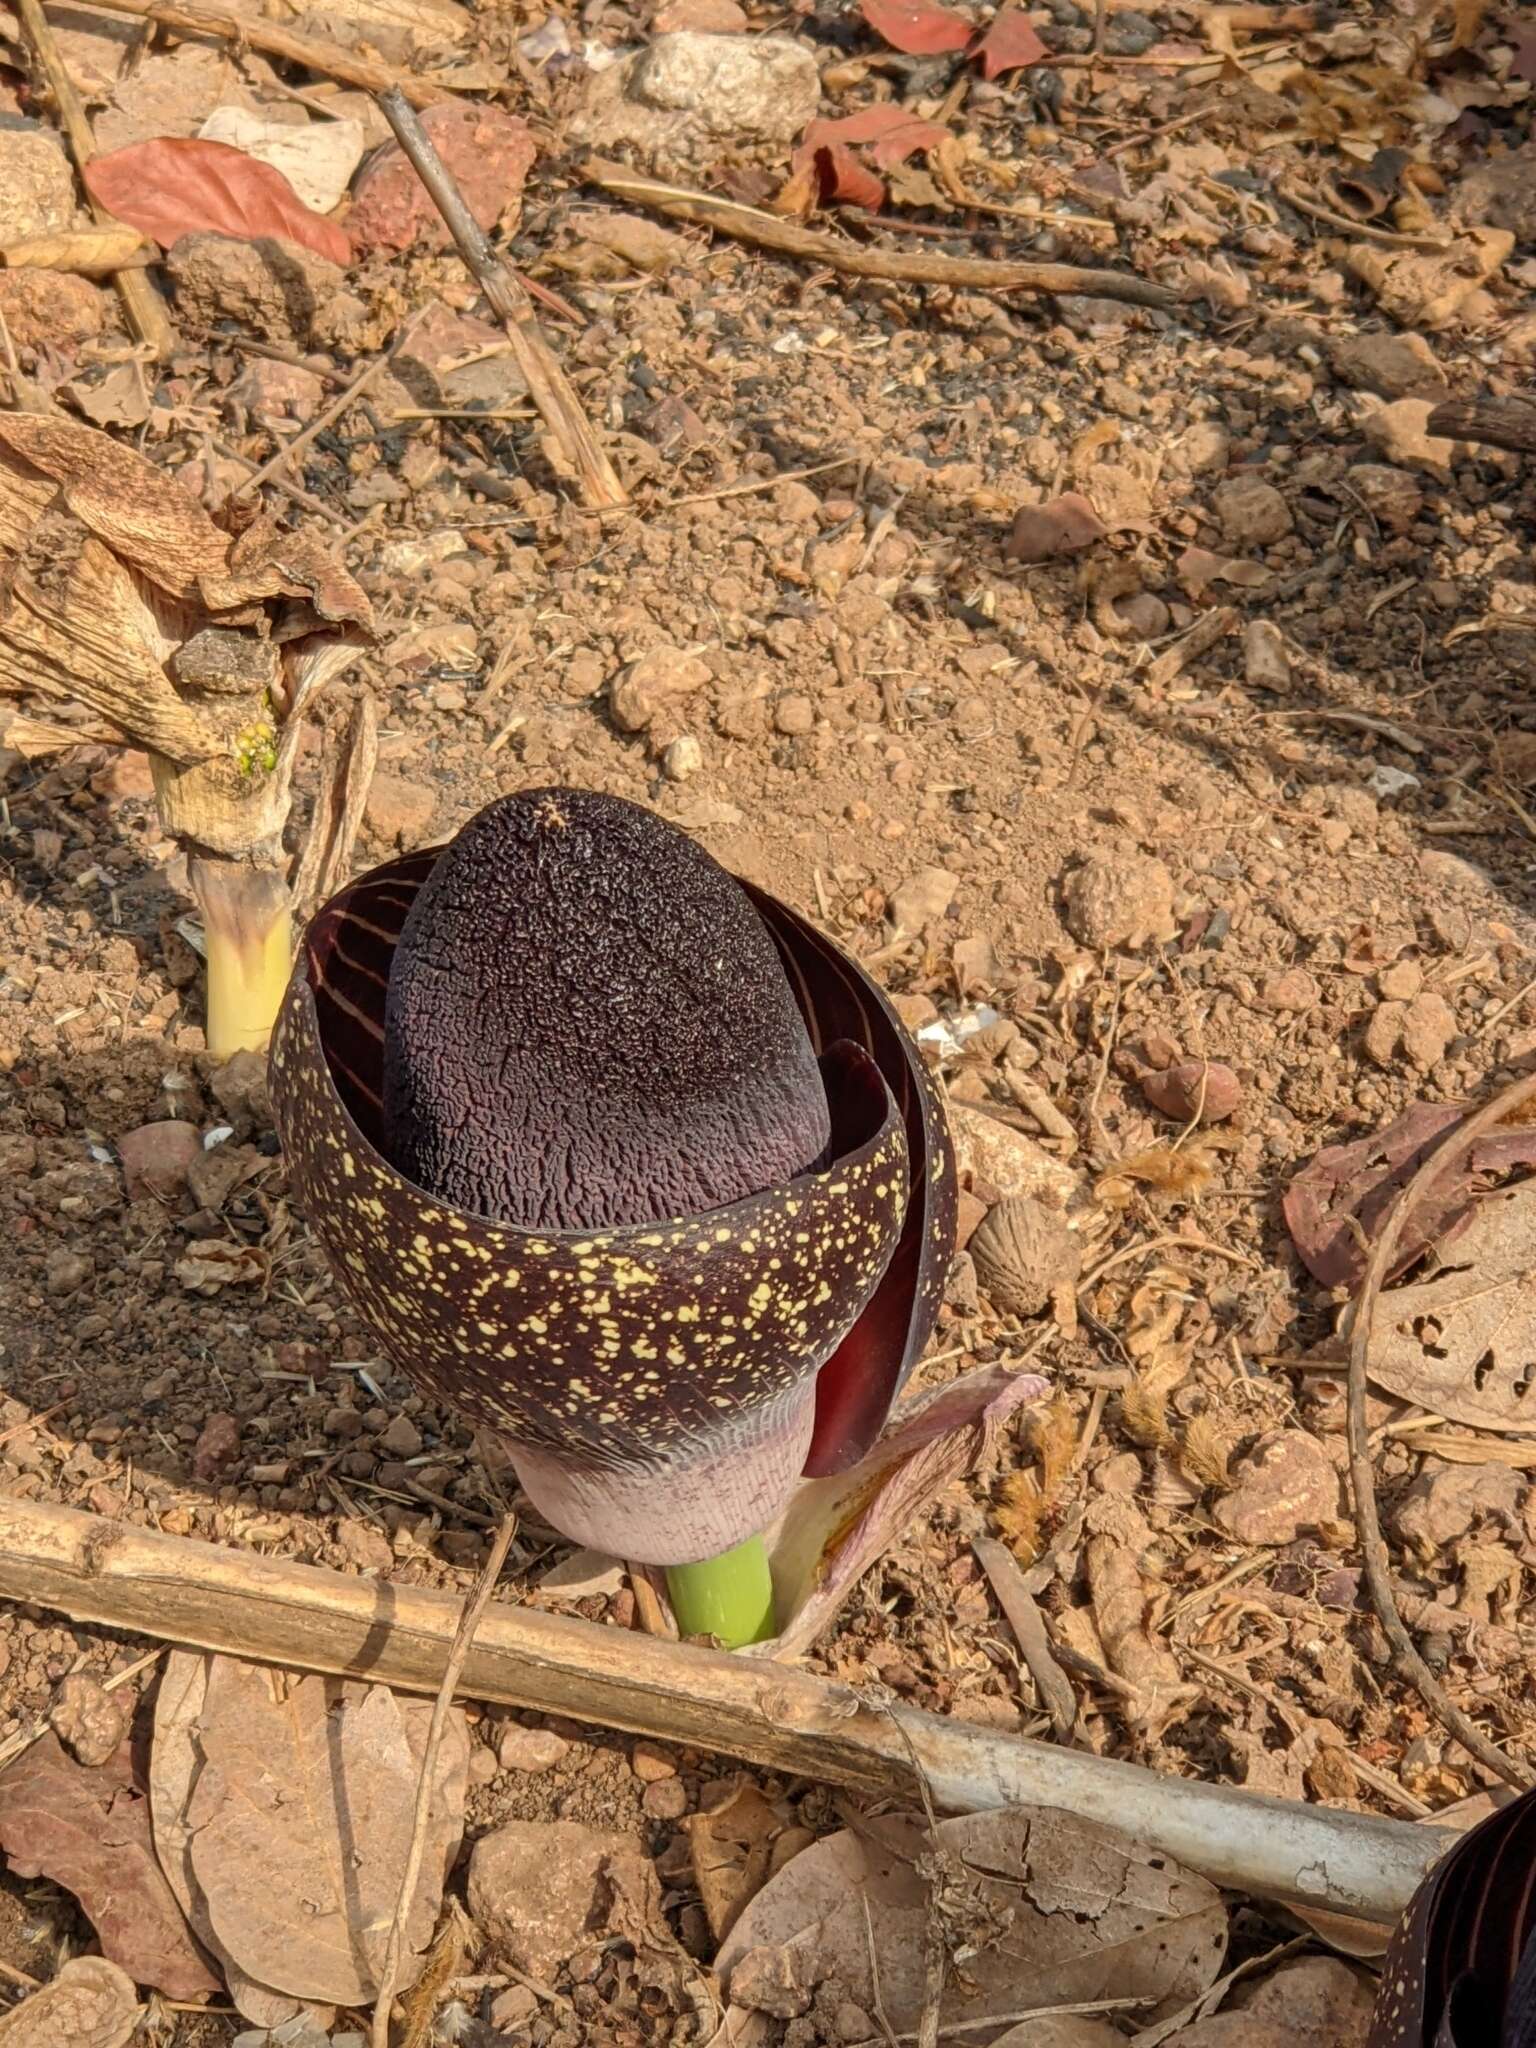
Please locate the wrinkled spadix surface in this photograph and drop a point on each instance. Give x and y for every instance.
(587, 1024)
(663, 1382)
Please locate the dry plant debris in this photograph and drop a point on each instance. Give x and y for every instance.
(1141, 690)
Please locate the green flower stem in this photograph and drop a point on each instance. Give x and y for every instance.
(729, 1596)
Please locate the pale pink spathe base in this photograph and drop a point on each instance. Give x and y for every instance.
(678, 1509)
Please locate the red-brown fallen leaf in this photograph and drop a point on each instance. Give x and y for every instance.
(1009, 44)
(1063, 527)
(893, 134)
(840, 175)
(1337, 1203)
(89, 1831)
(173, 186)
(919, 28)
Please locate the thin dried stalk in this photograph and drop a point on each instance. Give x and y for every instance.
(307, 1618)
(896, 266)
(551, 390)
(463, 1636)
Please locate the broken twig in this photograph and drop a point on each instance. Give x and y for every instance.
(1491, 422)
(897, 266)
(551, 390)
(463, 1636)
(1378, 1571)
(1028, 1624)
(307, 1618)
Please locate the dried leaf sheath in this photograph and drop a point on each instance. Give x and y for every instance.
(658, 1382)
(873, 1363)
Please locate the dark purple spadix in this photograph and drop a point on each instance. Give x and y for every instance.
(587, 1024)
(622, 1159)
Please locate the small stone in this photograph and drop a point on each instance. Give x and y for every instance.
(1203, 449)
(667, 1799)
(1266, 664)
(1119, 902)
(272, 389)
(399, 812)
(1391, 496)
(1145, 616)
(536, 1888)
(488, 153)
(796, 504)
(66, 1271)
(18, 1154)
(1251, 513)
(666, 670)
(530, 1750)
(1333, 835)
(1285, 1484)
(678, 98)
(276, 289)
(1384, 1032)
(1400, 433)
(37, 187)
(851, 2023)
(158, 1157)
(774, 1981)
(705, 17)
(365, 1548)
(1321, 2002)
(482, 1764)
(631, 705)
(962, 1288)
(1293, 989)
(1401, 982)
(794, 713)
(1203, 1088)
(923, 898)
(649, 1764)
(239, 1087)
(402, 1439)
(513, 2008)
(1391, 365)
(1065, 526)
(683, 758)
(1429, 1025)
(217, 1447)
(50, 306)
(88, 1720)
(1008, 1160)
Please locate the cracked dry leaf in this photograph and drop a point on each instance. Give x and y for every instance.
(1065, 1911)
(735, 1848)
(175, 1761)
(300, 1821)
(91, 2003)
(1462, 1341)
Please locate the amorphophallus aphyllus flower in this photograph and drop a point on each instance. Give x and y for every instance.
(1461, 1968)
(626, 1162)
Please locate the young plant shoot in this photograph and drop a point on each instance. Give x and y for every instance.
(629, 1164)
(205, 647)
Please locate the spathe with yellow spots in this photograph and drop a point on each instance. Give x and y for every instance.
(628, 1031)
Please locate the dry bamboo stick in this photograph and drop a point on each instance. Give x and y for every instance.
(188, 18)
(897, 266)
(143, 307)
(301, 1616)
(549, 387)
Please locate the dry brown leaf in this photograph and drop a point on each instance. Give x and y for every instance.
(300, 1820)
(91, 2003)
(1082, 1913)
(1462, 1342)
(733, 1854)
(175, 1760)
(89, 1830)
(1119, 1539)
